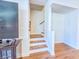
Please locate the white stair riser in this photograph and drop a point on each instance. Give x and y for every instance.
(36, 39)
(35, 44)
(38, 50)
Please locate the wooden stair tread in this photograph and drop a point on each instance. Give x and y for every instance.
(36, 35)
(37, 41)
(38, 47)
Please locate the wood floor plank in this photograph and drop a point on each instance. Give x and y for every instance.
(62, 51)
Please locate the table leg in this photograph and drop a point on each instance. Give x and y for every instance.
(14, 53)
(0, 54)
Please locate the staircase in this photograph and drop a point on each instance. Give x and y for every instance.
(37, 43)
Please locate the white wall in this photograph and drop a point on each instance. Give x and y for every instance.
(49, 34)
(58, 27)
(36, 18)
(71, 3)
(70, 32)
(24, 16)
(78, 31)
(43, 20)
(65, 27)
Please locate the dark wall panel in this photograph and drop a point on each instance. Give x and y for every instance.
(8, 20)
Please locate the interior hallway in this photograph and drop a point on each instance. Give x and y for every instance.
(62, 52)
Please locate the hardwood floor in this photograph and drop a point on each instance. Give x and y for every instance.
(62, 52)
(43, 55)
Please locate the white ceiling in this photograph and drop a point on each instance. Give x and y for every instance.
(57, 8)
(37, 2)
(62, 9)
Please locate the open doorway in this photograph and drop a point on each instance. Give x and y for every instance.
(64, 20)
(37, 32)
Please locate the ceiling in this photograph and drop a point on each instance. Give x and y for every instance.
(62, 9)
(37, 2)
(57, 8)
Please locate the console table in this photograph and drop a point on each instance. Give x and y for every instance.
(9, 51)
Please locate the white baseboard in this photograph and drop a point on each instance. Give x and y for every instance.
(70, 45)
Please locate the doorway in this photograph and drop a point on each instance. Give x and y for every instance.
(37, 32)
(64, 20)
